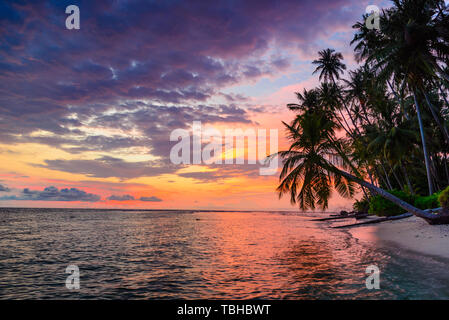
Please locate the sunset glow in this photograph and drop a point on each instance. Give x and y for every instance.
(92, 109)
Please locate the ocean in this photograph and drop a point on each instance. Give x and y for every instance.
(137, 254)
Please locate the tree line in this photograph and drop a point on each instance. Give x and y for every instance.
(381, 127)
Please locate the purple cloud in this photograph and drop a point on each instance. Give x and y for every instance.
(125, 197)
(106, 167)
(150, 199)
(54, 194)
(143, 66)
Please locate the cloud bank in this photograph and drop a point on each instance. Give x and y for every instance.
(54, 194)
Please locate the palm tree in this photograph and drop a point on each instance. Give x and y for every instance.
(405, 67)
(309, 175)
(395, 144)
(304, 173)
(330, 65)
(308, 100)
(409, 48)
(355, 91)
(328, 97)
(424, 145)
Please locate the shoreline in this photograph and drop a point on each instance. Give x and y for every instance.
(412, 233)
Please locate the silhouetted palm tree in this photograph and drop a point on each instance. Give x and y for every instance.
(405, 66)
(409, 48)
(329, 65)
(309, 174)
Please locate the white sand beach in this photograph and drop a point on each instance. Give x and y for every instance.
(416, 234)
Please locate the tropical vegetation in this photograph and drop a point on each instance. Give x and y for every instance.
(380, 130)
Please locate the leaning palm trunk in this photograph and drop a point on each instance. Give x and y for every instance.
(356, 130)
(441, 218)
(399, 98)
(401, 185)
(436, 118)
(386, 176)
(365, 113)
(445, 167)
(424, 145)
(382, 178)
(341, 124)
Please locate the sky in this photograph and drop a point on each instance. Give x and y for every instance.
(86, 115)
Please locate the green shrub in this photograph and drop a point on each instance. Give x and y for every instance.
(361, 205)
(443, 199)
(429, 202)
(385, 208)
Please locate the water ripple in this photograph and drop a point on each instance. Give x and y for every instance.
(202, 255)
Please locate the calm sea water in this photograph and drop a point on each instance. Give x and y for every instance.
(201, 255)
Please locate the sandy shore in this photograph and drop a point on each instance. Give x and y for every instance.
(417, 235)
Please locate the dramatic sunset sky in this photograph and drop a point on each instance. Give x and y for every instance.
(86, 115)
